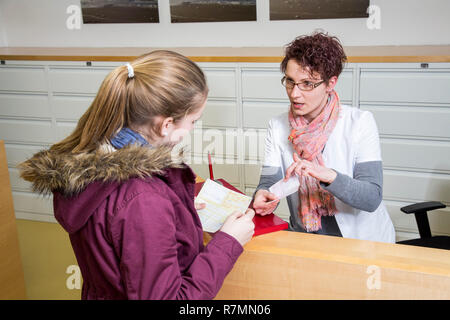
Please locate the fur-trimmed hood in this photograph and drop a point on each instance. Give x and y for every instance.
(81, 182)
(70, 174)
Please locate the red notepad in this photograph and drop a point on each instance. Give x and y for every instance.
(263, 224)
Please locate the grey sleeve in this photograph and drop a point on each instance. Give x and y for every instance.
(364, 191)
(269, 176)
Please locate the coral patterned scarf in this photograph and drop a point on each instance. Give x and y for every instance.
(309, 140)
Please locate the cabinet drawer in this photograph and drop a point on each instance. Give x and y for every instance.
(64, 129)
(220, 114)
(221, 83)
(70, 107)
(403, 86)
(220, 143)
(409, 186)
(411, 121)
(23, 79)
(39, 132)
(344, 86)
(83, 80)
(258, 114)
(16, 153)
(266, 84)
(263, 84)
(32, 203)
(17, 183)
(410, 154)
(29, 106)
(216, 114)
(68, 80)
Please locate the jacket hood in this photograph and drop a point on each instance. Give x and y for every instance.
(68, 175)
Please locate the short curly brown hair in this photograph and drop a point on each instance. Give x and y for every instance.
(317, 52)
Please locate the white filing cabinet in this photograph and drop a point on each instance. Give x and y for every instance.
(40, 102)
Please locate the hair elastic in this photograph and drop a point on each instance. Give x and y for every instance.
(130, 70)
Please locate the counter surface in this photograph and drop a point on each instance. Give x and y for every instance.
(292, 265)
(356, 54)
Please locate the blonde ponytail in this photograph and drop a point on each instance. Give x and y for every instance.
(164, 83)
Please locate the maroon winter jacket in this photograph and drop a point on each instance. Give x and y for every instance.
(132, 223)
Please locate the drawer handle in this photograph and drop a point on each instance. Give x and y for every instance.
(424, 65)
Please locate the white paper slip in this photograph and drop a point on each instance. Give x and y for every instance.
(220, 203)
(282, 189)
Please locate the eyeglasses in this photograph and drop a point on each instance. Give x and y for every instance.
(302, 85)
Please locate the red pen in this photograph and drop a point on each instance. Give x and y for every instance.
(211, 175)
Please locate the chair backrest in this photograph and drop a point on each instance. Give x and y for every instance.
(420, 211)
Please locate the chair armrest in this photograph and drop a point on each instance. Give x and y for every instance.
(423, 207)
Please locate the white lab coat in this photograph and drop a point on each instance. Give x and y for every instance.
(354, 140)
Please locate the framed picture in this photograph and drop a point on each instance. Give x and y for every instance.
(120, 11)
(318, 9)
(212, 10)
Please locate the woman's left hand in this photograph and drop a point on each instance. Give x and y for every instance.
(305, 167)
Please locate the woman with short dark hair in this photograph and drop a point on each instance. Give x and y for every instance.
(333, 149)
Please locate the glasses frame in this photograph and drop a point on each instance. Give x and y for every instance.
(312, 87)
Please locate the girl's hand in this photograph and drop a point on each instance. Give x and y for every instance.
(199, 205)
(307, 168)
(240, 226)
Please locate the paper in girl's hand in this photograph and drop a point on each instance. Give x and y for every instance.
(283, 189)
(220, 202)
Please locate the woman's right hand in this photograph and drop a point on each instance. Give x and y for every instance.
(240, 226)
(265, 202)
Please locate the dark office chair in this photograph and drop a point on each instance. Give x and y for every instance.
(426, 239)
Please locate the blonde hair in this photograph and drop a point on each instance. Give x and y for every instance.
(165, 84)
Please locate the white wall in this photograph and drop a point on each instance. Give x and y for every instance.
(43, 23)
(3, 39)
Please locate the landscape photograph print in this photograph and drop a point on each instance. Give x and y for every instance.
(318, 9)
(212, 10)
(120, 11)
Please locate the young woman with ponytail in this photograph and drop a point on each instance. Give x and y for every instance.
(125, 198)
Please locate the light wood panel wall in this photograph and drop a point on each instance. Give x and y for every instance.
(12, 284)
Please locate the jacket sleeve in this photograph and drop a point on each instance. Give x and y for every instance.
(144, 237)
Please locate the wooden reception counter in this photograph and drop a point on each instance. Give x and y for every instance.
(291, 265)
